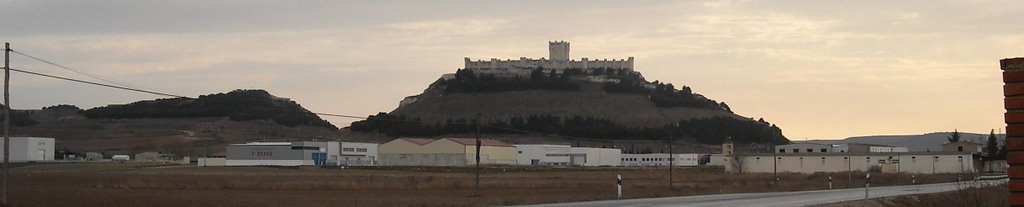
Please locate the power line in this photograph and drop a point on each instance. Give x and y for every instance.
(341, 115)
(99, 84)
(120, 83)
(316, 113)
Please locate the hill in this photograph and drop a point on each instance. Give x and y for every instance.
(917, 143)
(239, 105)
(177, 125)
(601, 104)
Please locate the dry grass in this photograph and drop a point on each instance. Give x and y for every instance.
(151, 185)
(965, 197)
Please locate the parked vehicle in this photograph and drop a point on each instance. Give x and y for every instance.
(121, 158)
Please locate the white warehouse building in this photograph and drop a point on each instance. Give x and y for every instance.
(546, 154)
(30, 149)
(659, 159)
(889, 160)
(282, 153)
(358, 154)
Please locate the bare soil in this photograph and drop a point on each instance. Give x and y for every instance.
(127, 184)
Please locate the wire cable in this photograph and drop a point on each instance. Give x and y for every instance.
(318, 113)
(99, 84)
(115, 82)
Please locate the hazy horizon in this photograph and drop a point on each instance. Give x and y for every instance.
(818, 70)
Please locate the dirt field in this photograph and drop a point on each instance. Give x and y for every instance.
(115, 184)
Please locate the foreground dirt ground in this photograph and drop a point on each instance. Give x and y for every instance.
(120, 184)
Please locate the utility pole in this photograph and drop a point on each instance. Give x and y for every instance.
(775, 161)
(7, 123)
(477, 187)
(671, 157)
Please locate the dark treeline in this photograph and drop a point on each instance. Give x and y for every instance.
(20, 118)
(665, 95)
(239, 105)
(466, 81)
(705, 131)
(629, 82)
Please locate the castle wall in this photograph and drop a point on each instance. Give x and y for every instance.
(558, 61)
(524, 63)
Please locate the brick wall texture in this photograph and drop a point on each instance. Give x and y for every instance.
(1013, 100)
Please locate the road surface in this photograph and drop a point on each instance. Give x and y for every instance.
(780, 199)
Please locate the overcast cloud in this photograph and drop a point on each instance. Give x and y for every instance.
(818, 69)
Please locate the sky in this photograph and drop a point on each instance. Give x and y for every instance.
(817, 69)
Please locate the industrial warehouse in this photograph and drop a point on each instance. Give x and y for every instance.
(299, 153)
(30, 149)
(958, 157)
(445, 152)
(822, 158)
(544, 154)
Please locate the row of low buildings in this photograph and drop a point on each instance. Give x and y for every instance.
(434, 152)
(956, 157)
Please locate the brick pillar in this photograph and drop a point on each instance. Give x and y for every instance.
(1013, 92)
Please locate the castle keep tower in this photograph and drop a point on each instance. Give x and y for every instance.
(557, 62)
(559, 50)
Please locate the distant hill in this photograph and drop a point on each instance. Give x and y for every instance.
(176, 125)
(602, 104)
(239, 105)
(919, 143)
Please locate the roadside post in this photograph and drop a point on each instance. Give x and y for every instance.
(830, 182)
(913, 179)
(867, 185)
(618, 185)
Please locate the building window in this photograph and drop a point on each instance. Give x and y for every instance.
(796, 150)
(810, 150)
(348, 149)
(360, 149)
(823, 150)
(520, 152)
(959, 148)
(305, 148)
(782, 150)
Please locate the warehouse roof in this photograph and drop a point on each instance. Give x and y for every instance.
(418, 141)
(483, 142)
(267, 143)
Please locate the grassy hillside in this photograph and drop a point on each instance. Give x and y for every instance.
(239, 105)
(623, 107)
(178, 125)
(183, 136)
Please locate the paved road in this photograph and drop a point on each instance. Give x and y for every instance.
(799, 198)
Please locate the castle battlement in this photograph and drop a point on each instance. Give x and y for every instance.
(558, 61)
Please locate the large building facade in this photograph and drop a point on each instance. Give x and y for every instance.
(545, 154)
(444, 152)
(358, 154)
(30, 149)
(918, 162)
(295, 153)
(660, 159)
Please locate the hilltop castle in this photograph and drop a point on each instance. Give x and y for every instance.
(558, 62)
